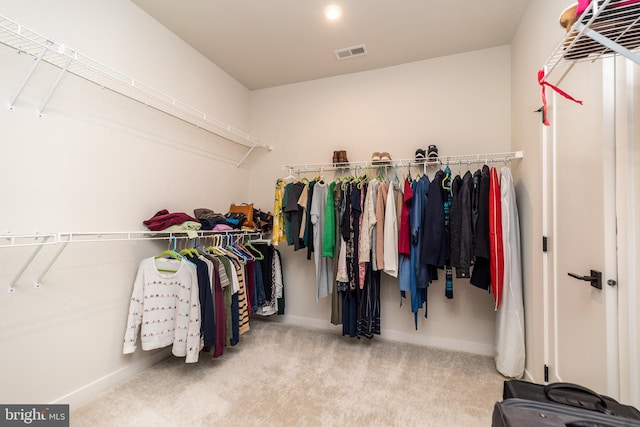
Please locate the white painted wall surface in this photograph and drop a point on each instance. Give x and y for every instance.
(98, 162)
(461, 103)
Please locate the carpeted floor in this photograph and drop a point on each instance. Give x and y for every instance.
(282, 375)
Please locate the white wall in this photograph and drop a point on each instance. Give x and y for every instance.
(461, 103)
(98, 162)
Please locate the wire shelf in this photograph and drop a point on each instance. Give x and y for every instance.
(605, 28)
(27, 41)
(441, 160)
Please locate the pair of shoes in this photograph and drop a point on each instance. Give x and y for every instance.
(340, 157)
(432, 152)
(380, 157)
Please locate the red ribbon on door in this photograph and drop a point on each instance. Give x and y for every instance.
(542, 84)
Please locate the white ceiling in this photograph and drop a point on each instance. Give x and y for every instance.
(265, 43)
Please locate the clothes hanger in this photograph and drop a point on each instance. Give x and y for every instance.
(231, 252)
(238, 245)
(447, 178)
(172, 254)
(290, 176)
(214, 248)
(257, 254)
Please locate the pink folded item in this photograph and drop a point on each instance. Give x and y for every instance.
(583, 4)
(222, 227)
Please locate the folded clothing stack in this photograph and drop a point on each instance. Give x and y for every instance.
(211, 220)
(163, 219)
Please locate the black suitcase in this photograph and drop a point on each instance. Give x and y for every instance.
(528, 413)
(569, 395)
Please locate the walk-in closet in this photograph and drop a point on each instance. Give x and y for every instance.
(234, 213)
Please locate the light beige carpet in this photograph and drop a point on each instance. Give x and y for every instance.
(282, 375)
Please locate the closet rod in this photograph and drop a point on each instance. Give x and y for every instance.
(44, 49)
(441, 160)
(40, 240)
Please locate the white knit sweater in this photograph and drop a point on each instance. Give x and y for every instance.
(165, 308)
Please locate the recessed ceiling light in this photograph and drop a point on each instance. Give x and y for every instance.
(333, 12)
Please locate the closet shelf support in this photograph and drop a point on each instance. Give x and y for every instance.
(55, 85)
(12, 284)
(38, 281)
(37, 61)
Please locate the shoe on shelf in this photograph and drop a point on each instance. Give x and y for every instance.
(420, 155)
(375, 157)
(336, 158)
(342, 158)
(385, 157)
(432, 153)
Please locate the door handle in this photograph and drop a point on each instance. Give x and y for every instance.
(595, 278)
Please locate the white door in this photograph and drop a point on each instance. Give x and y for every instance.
(581, 336)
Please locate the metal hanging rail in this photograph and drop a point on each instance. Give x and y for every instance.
(68, 60)
(605, 28)
(441, 160)
(63, 239)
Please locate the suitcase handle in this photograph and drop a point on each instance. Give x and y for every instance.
(600, 405)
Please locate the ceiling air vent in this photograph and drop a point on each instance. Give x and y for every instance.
(350, 52)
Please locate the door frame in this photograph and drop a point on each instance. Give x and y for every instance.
(627, 183)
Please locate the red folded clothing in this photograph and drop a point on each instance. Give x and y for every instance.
(163, 219)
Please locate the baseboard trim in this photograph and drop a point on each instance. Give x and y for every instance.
(405, 337)
(92, 389)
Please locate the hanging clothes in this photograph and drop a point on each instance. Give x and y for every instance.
(278, 233)
(220, 282)
(446, 185)
(363, 226)
(381, 201)
(294, 215)
(510, 339)
(165, 308)
(329, 226)
(308, 231)
(339, 266)
(495, 234)
(390, 252)
(324, 265)
(404, 241)
(434, 239)
(367, 222)
(481, 276)
(419, 275)
(463, 216)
